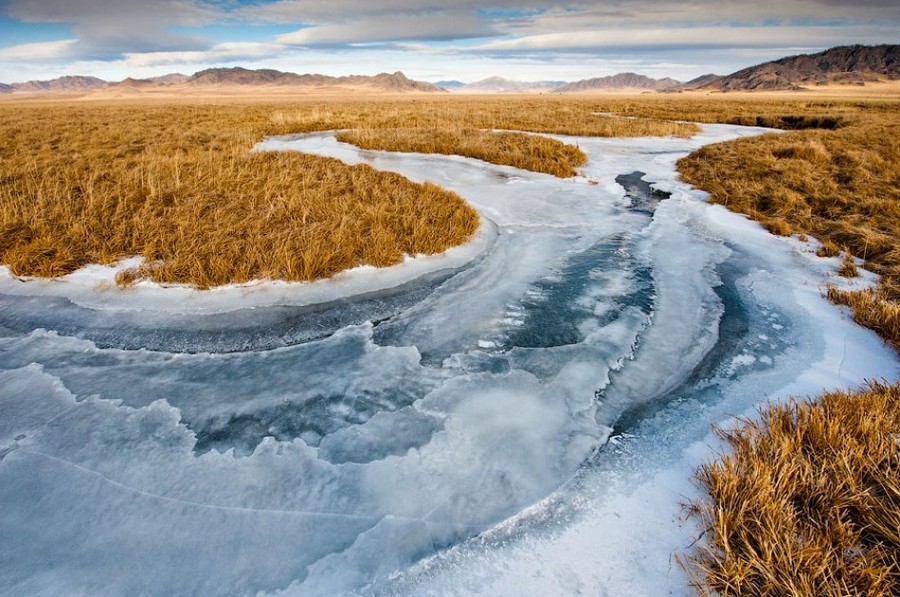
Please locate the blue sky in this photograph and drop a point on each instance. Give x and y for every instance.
(427, 39)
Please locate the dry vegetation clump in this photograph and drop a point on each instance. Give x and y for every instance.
(876, 308)
(179, 186)
(520, 150)
(841, 186)
(807, 502)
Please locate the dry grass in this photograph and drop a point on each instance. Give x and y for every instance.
(179, 186)
(807, 502)
(529, 152)
(577, 116)
(875, 309)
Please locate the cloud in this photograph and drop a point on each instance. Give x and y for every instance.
(430, 26)
(39, 51)
(114, 27)
(687, 37)
(218, 54)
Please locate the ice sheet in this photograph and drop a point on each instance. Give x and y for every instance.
(435, 428)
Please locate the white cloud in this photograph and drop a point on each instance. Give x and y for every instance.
(688, 37)
(39, 52)
(218, 54)
(114, 27)
(569, 39)
(429, 26)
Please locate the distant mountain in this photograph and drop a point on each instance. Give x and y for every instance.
(223, 78)
(241, 76)
(164, 80)
(391, 82)
(698, 83)
(501, 85)
(170, 79)
(130, 83)
(621, 81)
(843, 64)
(450, 85)
(68, 83)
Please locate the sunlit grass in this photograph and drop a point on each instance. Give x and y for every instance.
(806, 502)
(528, 152)
(179, 186)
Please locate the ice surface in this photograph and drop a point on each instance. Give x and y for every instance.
(435, 428)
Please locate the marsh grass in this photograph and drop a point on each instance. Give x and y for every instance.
(528, 152)
(806, 501)
(576, 116)
(179, 186)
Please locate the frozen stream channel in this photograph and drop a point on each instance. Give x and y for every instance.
(439, 428)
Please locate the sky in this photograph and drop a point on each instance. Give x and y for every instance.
(430, 40)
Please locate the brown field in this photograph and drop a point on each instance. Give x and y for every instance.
(807, 502)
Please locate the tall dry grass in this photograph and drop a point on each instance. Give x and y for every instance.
(528, 152)
(576, 116)
(807, 501)
(179, 186)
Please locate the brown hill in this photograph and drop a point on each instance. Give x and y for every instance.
(396, 82)
(843, 64)
(68, 83)
(4, 88)
(391, 82)
(130, 83)
(170, 79)
(703, 81)
(621, 81)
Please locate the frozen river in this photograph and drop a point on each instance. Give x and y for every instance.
(520, 416)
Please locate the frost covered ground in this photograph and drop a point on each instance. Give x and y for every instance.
(520, 416)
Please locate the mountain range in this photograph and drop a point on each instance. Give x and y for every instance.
(236, 77)
(841, 65)
(622, 81)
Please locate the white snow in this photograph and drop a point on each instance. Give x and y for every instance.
(455, 447)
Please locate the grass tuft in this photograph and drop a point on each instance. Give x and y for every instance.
(806, 502)
(519, 150)
(876, 309)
